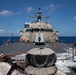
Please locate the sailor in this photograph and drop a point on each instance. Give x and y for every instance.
(13, 65)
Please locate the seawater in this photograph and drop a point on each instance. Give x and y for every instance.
(68, 39)
(5, 39)
(63, 39)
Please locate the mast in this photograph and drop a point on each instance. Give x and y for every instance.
(39, 15)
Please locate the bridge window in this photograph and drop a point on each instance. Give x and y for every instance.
(37, 30)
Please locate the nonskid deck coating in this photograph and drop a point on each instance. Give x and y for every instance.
(24, 47)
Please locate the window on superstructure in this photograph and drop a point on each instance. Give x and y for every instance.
(28, 30)
(42, 30)
(37, 30)
(46, 30)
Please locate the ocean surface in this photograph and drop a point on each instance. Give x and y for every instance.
(63, 39)
(5, 39)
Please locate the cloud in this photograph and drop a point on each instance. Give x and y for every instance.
(6, 13)
(52, 7)
(2, 31)
(18, 13)
(29, 9)
(74, 18)
(10, 31)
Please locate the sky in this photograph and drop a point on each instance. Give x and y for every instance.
(14, 13)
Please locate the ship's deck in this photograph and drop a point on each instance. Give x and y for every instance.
(24, 47)
(67, 66)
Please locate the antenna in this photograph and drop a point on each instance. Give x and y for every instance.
(38, 15)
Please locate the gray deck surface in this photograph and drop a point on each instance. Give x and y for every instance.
(24, 47)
